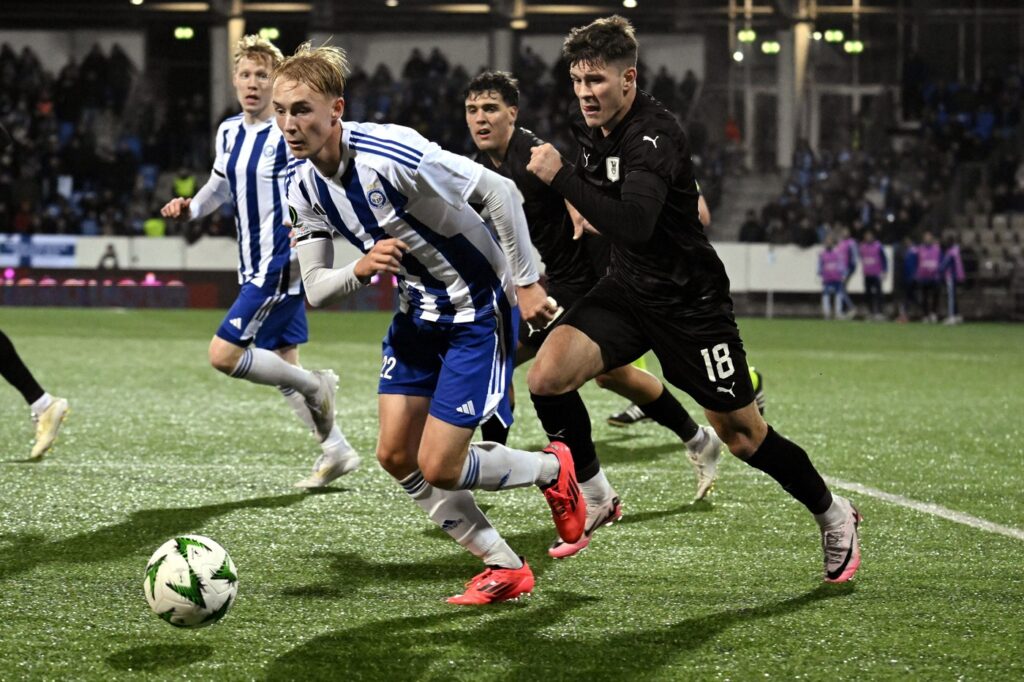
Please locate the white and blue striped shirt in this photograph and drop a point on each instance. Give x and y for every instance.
(249, 169)
(393, 183)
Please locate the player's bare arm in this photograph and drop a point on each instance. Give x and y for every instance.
(177, 208)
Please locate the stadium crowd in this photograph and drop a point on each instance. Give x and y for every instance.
(958, 165)
(97, 151)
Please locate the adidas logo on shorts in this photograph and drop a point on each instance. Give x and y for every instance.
(466, 408)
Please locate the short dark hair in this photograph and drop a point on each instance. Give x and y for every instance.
(602, 41)
(502, 82)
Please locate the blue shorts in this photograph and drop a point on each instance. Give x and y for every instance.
(832, 288)
(465, 368)
(271, 319)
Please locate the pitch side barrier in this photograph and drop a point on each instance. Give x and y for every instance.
(166, 272)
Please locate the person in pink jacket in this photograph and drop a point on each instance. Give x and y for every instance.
(928, 276)
(874, 265)
(832, 271)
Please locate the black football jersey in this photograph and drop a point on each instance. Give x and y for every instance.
(677, 269)
(565, 261)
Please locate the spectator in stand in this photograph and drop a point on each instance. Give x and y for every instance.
(154, 226)
(951, 268)
(832, 271)
(687, 91)
(873, 265)
(664, 87)
(752, 229)
(185, 183)
(437, 64)
(927, 277)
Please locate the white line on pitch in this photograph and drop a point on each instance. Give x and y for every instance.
(929, 508)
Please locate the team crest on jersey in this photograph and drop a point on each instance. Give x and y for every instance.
(269, 151)
(376, 198)
(611, 167)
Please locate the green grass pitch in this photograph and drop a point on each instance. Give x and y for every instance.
(350, 584)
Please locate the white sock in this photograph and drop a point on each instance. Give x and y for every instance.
(698, 440)
(493, 466)
(458, 515)
(597, 489)
(336, 440)
(262, 366)
(297, 402)
(832, 516)
(39, 406)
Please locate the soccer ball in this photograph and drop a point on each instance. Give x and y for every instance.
(190, 581)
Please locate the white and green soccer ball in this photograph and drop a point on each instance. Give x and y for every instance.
(190, 581)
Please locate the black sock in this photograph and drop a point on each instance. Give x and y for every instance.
(493, 430)
(669, 412)
(787, 463)
(565, 418)
(15, 371)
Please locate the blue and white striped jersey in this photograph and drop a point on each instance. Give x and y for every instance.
(392, 182)
(250, 167)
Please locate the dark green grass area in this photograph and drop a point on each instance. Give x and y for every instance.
(350, 584)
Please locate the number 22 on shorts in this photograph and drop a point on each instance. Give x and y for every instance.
(387, 366)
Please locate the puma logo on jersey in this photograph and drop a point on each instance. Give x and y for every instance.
(726, 390)
(652, 140)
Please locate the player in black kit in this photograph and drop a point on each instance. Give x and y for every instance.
(572, 266)
(666, 291)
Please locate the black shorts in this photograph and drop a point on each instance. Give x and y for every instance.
(566, 296)
(703, 356)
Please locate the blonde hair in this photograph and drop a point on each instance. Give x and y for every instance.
(324, 69)
(258, 48)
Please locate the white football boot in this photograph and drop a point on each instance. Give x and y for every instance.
(705, 462)
(47, 425)
(331, 465)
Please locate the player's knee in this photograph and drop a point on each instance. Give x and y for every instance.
(392, 461)
(740, 445)
(440, 476)
(222, 362)
(744, 439)
(543, 380)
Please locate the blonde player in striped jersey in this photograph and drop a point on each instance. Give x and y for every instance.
(259, 337)
(405, 203)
